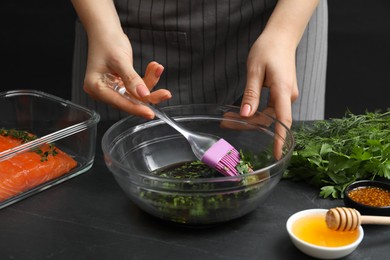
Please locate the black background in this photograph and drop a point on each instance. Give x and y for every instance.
(37, 39)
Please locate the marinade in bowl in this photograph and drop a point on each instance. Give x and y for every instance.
(151, 163)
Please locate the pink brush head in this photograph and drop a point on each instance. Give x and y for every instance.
(223, 157)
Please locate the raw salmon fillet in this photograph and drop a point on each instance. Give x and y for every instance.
(28, 170)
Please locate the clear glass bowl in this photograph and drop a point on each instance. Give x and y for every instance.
(135, 149)
(53, 120)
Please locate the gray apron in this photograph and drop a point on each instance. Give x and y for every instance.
(203, 46)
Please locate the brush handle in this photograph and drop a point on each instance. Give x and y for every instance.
(108, 78)
(210, 149)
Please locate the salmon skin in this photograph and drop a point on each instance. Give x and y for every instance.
(27, 170)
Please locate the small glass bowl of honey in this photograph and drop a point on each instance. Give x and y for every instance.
(369, 197)
(310, 234)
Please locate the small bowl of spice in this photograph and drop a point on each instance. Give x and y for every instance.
(369, 197)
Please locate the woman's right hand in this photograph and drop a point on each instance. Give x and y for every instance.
(110, 51)
(116, 57)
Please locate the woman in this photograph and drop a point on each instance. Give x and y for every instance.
(216, 51)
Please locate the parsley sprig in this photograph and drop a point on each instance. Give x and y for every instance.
(333, 153)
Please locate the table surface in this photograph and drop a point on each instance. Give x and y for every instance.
(89, 217)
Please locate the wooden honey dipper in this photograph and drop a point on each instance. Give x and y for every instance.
(348, 219)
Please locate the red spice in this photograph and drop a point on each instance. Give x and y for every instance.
(371, 196)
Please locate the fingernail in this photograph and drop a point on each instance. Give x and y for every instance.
(159, 71)
(149, 116)
(246, 110)
(142, 90)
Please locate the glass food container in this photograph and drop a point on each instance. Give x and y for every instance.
(54, 121)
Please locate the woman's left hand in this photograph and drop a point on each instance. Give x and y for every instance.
(271, 64)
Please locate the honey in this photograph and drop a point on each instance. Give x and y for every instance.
(313, 229)
(371, 196)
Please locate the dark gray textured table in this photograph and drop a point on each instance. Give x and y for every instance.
(89, 217)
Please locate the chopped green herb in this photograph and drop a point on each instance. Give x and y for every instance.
(184, 208)
(188, 170)
(26, 137)
(197, 169)
(44, 155)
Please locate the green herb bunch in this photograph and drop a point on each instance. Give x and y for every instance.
(333, 153)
